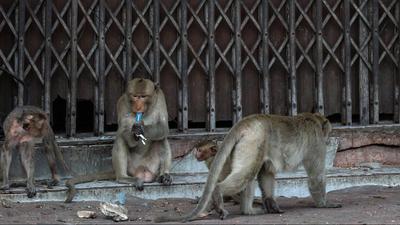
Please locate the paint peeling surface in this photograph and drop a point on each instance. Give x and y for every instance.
(293, 184)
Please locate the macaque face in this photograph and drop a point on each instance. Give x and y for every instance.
(138, 102)
(204, 152)
(33, 124)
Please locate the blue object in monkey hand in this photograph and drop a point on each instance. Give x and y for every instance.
(137, 128)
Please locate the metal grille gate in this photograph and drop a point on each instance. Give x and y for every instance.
(216, 60)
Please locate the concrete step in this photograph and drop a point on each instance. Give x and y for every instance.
(93, 154)
(293, 184)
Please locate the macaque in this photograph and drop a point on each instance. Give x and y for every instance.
(205, 151)
(24, 127)
(141, 152)
(259, 146)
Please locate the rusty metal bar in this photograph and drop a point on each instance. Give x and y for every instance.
(375, 61)
(211, 66)
(156, 42)
(292, 59)
(319, 59)
(347, 65)
(96, 87)
(73, 69)
(47, 56)
(397, 70)
(238, 63)
(265, 75)
(101, 75)
(128, 40)
(21, 48)
(184, 65)
(363, 70)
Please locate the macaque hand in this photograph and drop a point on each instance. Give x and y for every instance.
(137, 130)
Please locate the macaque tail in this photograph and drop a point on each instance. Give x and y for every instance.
(70, 183)
(57, 152)
(216, 167)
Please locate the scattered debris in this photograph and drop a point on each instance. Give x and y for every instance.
(178, 210)
(370, 165)
(114, 211)
(61, 220)
(5, 203)
(121, 198)
(86, 214)
(378, 196)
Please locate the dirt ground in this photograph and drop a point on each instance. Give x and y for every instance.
(361, 205)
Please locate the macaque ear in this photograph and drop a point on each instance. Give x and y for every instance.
(326, 127)
(42, 116)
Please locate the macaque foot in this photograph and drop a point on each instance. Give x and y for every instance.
(31, 192)
(223, 213)
(53, 182)
(271, 206)
(133, 181)
(139, 186)
(165, 179)
(5, 187)
(330, 205)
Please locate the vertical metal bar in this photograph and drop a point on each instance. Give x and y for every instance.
(128, 40)
(73, 69)
(319, 58)
(363, 70)
(238, 64)
(101, 83)
(265, 76)
(184, 70)
(21, 49)
(211, 66)
(97, 68)
(156, 42)
(47, 56)
(347, 65)
(292, 58)
(397, 69)
(375, 61)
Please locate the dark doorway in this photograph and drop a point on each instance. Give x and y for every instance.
(84, 116)
(59, 114)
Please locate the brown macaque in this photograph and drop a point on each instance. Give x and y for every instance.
(259, 146)
(24, 127)
(135, 159)
(205, 151)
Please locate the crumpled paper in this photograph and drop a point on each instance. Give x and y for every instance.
(114, 211)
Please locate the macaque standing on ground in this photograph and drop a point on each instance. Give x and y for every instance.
(259, 146)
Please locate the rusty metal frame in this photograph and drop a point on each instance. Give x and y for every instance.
(361, 52)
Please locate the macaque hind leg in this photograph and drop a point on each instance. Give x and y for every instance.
(6, 158)
(27, 159)
(317, 184)
(51, 158)
(246, 200)
(120, 164)
(165, 163)
(243, 173)
(266, 181)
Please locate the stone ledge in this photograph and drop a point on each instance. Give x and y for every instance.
(191, 186)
